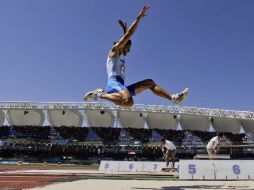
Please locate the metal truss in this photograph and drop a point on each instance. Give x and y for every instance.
(137, 108)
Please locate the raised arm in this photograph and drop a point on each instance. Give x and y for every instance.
(121, 43)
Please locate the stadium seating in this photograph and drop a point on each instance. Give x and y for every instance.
(46, 142)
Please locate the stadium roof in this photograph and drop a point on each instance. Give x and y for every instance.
(248, 125)
(109, 115)
(99, 118)
(133, 119)
(162, 120)
(66, 117)
(195, 122)
(226, 124)
(25, 117)
(2, 117)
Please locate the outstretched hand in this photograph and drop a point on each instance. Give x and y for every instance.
(143, 12)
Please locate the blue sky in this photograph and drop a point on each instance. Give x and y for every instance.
(56, 50)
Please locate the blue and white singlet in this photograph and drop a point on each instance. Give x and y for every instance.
(116, 67)
(116, 76)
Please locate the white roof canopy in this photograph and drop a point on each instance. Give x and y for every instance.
(25, 117)
(226, 125)
(99, 118)
(105, 115)
(248, 125)
(69, 118)
(131, 119)
(195, 122)
(162, 121)
(2, 117)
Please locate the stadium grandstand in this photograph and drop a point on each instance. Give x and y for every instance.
(88, 132)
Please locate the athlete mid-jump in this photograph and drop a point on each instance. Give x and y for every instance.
(116, 91)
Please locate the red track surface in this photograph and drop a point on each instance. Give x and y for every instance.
(25, 181)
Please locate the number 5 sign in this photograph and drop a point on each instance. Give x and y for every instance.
(216, 169)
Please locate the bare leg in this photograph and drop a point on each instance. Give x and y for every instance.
(155, 88)
(173, 162)
(168, 156)
(122, 98)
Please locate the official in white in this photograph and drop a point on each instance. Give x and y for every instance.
(169, 150)
(213, 145)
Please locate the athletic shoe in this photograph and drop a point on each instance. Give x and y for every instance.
(93, 95)
(180, 97)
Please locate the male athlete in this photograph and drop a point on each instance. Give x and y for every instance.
(212, 146)
(116, 91)
(169, 151)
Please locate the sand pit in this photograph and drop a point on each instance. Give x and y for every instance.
(149, 185)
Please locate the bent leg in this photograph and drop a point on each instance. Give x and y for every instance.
(122, 98)
(210, 153)
(168, 156)
(173, 155)
(140, 86)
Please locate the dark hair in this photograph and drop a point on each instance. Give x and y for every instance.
(163, 139)
(129, 42)
(124, 27)
(219, 135)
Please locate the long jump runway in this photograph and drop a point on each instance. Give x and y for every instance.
(65, 178)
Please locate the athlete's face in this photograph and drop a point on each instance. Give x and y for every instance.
(126, 49)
